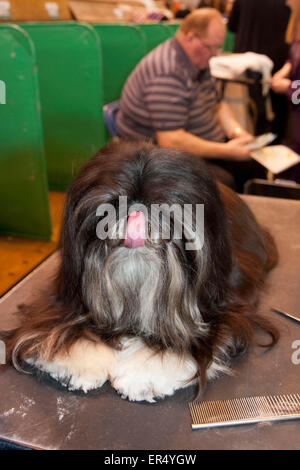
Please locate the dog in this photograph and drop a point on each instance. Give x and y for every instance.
(139, 309)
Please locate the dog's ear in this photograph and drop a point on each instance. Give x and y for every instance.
(246, 232)
(253, 247)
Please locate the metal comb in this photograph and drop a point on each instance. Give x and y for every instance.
(209, 414)
(281, 312)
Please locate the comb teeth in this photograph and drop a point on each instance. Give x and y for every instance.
(246, 410)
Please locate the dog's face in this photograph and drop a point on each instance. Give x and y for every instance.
(161, 291)
(162, 283)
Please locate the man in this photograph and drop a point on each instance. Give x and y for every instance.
(260, 27)
(171, 98)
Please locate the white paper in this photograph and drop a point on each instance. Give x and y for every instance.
(5, 9)
(261, 141)
(52, 9)
(276, 158)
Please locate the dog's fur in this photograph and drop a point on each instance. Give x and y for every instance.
(156, 318)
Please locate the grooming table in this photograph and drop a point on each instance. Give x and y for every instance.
(42, 417)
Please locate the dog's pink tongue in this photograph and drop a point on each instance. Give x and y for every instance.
(135, 230)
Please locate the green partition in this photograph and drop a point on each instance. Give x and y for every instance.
(172, 28)
(155, 34)
(70, 75)
(228, 44)
(123, 46)
(24, 205)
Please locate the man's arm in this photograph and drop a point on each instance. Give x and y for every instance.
(181, 140)
(229, 124)
(284, 72)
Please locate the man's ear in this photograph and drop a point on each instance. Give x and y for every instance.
(189, 36)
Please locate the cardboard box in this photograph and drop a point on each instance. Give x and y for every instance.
(106, 11)
(34, 10)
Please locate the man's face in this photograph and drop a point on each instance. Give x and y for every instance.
(202, 48)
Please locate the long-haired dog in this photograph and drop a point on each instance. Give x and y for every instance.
(145, 312)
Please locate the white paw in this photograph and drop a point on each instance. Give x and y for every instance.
(142, 375)
(86, 367)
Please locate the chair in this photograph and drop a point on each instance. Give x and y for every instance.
(110, 111)
(278, 188)
(71, 89)
(155, 34)
(122, 46)
(24, 203)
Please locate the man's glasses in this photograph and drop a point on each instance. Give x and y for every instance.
(212, 48)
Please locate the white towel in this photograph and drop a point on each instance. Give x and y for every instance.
(233, 66)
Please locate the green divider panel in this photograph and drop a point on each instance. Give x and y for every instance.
(155, 34)
(172, 28)
(228, 44)
(24, 205)
(123, 46)
(70, 75)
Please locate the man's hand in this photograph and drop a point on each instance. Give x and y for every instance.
(240, 132)
(280, 80)
(179, 139)
(284, 72)
(229, 123)
(236, 148)
(280, 85)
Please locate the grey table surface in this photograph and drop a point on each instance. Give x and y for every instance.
(41, 416)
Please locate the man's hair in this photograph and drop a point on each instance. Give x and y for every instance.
(199, 20)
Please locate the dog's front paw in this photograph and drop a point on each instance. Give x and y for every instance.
(135, 390)
(86, 367)
(142, 375)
